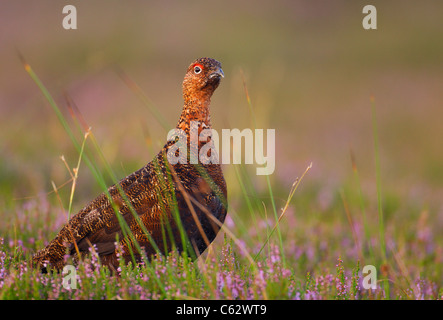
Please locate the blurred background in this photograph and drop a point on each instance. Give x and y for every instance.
(309, 66)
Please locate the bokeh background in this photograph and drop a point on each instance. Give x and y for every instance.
(309, 66)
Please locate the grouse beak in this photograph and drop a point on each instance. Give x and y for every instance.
(217, 73)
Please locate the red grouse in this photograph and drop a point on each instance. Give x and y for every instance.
(165, 205)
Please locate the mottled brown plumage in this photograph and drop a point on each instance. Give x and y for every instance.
(146, 205)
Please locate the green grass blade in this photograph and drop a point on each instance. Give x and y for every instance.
(381, 226)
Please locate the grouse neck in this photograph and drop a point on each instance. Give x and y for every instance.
(195, 110)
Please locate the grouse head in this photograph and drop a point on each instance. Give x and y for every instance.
(202, 78)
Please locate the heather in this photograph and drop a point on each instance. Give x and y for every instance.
(322, 262)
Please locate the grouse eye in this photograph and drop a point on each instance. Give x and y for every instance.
(197, 69)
